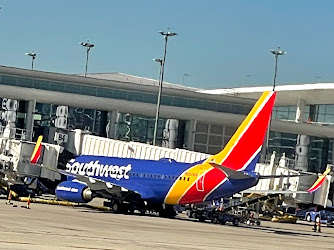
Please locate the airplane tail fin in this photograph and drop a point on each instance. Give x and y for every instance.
(243, 150)
(36, 154)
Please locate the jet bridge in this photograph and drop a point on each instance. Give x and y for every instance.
(15, 167)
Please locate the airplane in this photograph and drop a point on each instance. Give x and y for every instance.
(135, 184)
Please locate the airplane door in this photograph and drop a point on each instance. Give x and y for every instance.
(200, 182)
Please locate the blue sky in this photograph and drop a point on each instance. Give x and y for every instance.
(219, 42)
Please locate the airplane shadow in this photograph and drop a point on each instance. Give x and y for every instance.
(91, 209)
(287, 231)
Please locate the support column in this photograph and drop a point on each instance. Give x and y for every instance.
(333, 155)
(30, 119)
(112, 124)
(190, 134)
(300, 111)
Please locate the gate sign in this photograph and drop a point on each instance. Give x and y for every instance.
(60, 137)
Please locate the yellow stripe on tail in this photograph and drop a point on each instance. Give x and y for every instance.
(37, 151)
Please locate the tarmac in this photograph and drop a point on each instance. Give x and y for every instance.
(46, 226)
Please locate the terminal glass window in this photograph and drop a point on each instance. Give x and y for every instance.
(307, 113)
(69, 118)
(129, 95)
(317, 152)
(284, 113)
(137, 128)
(170, 132)
(325, 113)
(282, 143)
(320, 154)
(210, 138)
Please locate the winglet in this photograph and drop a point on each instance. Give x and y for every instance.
(36, 155)
(317, 184)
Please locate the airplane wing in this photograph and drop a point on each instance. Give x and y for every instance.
(232, 174)
(317, 184)
(276, 191)
(283, 176)
(94, 183)
(113, 188)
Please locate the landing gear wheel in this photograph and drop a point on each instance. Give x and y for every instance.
(214, 220)
(167, 212)
(201, 219)
(117, 208)
(236, 222)
(131, 210)
(143, 211)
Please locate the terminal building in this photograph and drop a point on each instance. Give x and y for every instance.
(123, 107)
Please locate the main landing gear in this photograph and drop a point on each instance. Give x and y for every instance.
(167, 211)
(120, 207)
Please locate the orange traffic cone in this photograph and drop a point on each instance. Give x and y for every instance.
(28, 202)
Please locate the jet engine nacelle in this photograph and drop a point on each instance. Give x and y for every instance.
(74, 191)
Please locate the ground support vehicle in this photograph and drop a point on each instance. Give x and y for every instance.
(285, 218)
(214, 215)
(219, 217)
(252, 221)
(323, 216)
(330, 222)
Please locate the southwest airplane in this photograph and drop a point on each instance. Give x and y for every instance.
(132, 184)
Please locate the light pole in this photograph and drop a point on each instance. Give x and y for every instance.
(277, 53)
(88, 46)
(161, 77)
(265, 145)
(184, 75)
(33, 56)
(158, 60)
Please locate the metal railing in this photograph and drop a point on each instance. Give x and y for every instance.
(288, 162)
